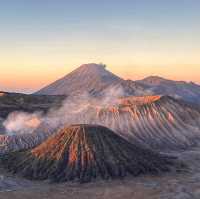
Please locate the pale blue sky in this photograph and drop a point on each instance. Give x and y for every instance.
(125, 34)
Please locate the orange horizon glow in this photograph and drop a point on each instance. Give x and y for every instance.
(42, 42)
(30, 79)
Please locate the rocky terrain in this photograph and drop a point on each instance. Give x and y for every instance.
(183, 185)
(10, 102)
(166, 118)
(158, 122)
(85, 153)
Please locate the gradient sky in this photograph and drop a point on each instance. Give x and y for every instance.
(42, 40)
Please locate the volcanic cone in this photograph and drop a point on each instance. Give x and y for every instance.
(83, 153)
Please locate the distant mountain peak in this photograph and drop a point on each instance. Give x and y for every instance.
(96, 80)
(89, 78)
(93, 69)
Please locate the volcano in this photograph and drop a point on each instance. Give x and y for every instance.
(83, 153)
(158, 122)
(96, 80)
(91, 78)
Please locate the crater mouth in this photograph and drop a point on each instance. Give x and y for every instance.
(139, 100)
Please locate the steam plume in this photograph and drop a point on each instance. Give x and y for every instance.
(73, 110)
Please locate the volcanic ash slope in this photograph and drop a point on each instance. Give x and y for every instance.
(84, 153)
(158, 122)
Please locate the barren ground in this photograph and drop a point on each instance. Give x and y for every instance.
(184, 185)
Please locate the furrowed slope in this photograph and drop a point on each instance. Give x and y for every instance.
(159, 122)
(83, 153)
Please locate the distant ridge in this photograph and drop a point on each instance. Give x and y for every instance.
(94, 79)
(177, 89)
(84, 153)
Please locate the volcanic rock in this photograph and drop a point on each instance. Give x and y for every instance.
(84, 153)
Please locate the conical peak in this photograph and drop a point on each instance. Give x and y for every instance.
(72, 135)
(92, 68)
(83, 153)
(91, 78)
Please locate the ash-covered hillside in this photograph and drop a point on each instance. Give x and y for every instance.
(84, 153)
(158, 122)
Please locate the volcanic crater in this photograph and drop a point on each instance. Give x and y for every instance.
(84, 153)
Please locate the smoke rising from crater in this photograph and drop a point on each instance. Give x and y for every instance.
(153, 121)
(22, 122)
(74, 110)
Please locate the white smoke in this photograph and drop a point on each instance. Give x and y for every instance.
(21, 122)
(74, 110)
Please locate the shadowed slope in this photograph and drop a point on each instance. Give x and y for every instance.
(83, 153)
